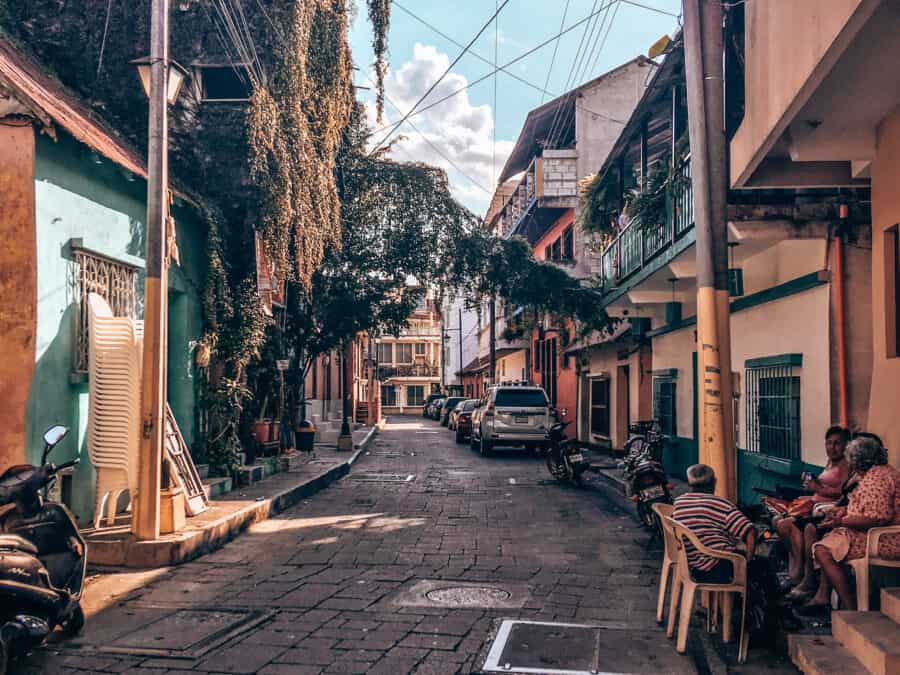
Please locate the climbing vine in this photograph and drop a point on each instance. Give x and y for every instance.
(380, 16)
(294, 126)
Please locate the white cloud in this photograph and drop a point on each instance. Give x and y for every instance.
(462, 131)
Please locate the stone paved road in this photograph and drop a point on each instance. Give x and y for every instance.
(327, 571)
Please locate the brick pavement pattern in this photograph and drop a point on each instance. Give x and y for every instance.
(330, 567)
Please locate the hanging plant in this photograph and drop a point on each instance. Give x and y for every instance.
(598, 195)
(380, 16)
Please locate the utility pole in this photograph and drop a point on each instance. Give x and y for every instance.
(345, 439)
(461, 364)
(703, 48)
(145, 523)
(492, 370)
(443, 354)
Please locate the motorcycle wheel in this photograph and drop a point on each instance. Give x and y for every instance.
(646, 515)
(557, 467)
(75, 622)
(485, 448)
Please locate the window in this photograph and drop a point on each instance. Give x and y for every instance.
(385, 353)
(566, 360)
(892, 290)
(415, 394)
(568, 244)
(600, 407)
(773, 406)
(556, 250)
(664, 403)
(537, 355)
(548, 253)
(520, 398)
(224, 83)
(420, 348)
(388, 395)
(114, 281)
(404, 353)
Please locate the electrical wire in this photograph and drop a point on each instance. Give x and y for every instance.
(431, 144)
(494, 130)
(555, 50)
(440, 79)
(521, 56)
(600, 52)
(103, 41)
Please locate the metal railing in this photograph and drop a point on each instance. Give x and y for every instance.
(636, 245)
(411, 370)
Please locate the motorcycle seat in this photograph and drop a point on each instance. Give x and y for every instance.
(17, 543)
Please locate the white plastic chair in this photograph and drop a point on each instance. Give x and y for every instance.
(861, 565)
(669, 561)
(114, 378)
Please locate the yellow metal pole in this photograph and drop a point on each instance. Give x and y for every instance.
(145, 517)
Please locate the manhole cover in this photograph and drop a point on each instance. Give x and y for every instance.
(383, 477)
(167, 631)
(467, 596)
(432, 593)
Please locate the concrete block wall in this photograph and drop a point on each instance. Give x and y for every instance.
(560, 173)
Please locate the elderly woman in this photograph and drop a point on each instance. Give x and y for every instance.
(875, 502)
(827, 487)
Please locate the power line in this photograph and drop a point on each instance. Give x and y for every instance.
(555, 50)
(430, 143)
(524, 55)
(438, 81)
(609, 28)
(494, 134)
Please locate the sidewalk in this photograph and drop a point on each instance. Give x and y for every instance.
(229, 514)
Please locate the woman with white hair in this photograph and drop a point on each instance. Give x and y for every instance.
(874, 503)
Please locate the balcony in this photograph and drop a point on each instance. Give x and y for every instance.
(408, 370)
(548, 187)
(638, 246)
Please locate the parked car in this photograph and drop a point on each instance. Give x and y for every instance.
(426, 407)
(434, 410)
(462, 422)
(511, 416)
(454, 414)
(447, 406)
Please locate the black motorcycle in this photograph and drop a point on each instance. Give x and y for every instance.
(564, 458)
(644, 471)
(42, 557)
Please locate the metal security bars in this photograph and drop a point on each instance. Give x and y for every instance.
(664, 404)
(773, 410)
(114, 280)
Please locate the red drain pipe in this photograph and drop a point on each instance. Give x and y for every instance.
(841, 337)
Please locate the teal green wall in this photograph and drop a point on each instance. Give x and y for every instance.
(679, 454)
(78, 195)
(763, 471)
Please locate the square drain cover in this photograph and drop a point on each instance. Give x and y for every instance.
(461, 594)
(375, 477)
(168, 632)
(547, 648)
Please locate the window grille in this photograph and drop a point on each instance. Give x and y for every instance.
(773, 410)
(114, 281)
(388, 395)
(664, 404)
(415, 394)
(600, 407)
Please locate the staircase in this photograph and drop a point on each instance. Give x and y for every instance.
(362, 412)
(860, 642)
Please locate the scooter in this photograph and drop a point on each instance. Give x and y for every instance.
(645, 473)
(42, 557)
(564, 458)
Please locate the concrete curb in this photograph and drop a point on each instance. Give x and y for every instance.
(192, 545)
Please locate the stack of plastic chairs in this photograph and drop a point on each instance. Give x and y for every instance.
(113, 433)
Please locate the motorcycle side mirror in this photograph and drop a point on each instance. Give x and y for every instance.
(52, 437)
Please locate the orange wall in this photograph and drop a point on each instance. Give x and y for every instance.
(553, 233)
(18, 287)
(885, 390)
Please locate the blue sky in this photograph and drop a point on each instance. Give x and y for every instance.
(462, 128)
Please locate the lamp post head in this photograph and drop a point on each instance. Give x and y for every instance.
(176, 76)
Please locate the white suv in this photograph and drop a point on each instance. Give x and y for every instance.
(510, 416)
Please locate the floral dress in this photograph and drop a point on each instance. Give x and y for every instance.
(877, 496)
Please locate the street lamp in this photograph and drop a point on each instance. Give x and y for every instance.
(176, 77)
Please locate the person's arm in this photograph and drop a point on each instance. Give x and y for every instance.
(823, 490)
(862, 522)
(750, 542)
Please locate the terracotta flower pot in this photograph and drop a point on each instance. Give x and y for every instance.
(260, 430)
(275, 431)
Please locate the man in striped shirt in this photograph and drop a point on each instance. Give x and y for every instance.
(717, 523)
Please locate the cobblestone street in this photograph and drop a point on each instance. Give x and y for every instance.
(325, 578)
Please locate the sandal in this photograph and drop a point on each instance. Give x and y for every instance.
(800, 593)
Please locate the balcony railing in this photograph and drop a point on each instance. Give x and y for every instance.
(637, 245)
(420, 331)
(551, 175)
(410, 370)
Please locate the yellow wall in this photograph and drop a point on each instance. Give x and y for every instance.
(675, 350)
(786, 42)
(883, 401)
(511, 368)
(18, 287)
(783, 262)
